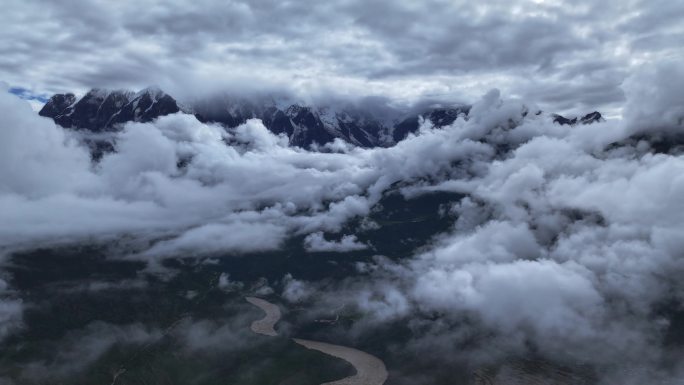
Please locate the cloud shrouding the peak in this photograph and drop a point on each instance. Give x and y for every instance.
(258, 188)
(565, 58)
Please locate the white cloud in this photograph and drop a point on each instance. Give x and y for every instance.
(316, 242)
(295, 290)
(565, 243)
(215, 238)
(11, 315)
(37, 158)
(655, 99)
(225, 283)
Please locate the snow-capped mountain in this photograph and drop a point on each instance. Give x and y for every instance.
(304, 124)
(589, 118)
(104, 110)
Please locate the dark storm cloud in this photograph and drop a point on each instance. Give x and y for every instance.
(400, 49)
(444, 38)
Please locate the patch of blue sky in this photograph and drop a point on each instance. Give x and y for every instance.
(27, 94)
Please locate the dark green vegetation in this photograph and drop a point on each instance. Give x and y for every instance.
(65, 319)
(95, 317)
(92, 316)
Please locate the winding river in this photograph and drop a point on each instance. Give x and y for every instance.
(265, 325)
(370, 370)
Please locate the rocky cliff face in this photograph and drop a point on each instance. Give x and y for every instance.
(589, 118)
(304, 125)
(102, 110)
(105, 110)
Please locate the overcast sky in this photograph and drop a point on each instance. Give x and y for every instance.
(565, 56)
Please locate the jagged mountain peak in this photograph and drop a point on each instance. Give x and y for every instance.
(57, 104)
(102, 97)
(592, 117)
(303, 123)
(589, 118)
(102, 109)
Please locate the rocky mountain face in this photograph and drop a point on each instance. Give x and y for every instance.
(440, 117)
(105, 110)
(303, 125)
(102, 110)
(57, 105)
(655, 140)
(589, 118)
(308, 124)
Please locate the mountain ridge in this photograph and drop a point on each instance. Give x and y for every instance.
(101, 110)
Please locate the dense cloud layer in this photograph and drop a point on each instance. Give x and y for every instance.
(566, 244)
(564, 57)
(179, 174)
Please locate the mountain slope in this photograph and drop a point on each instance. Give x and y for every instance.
(105, 110)
(101, 110)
